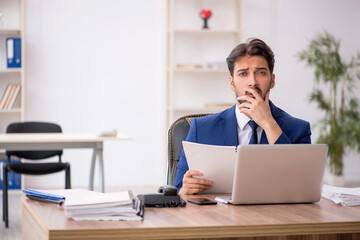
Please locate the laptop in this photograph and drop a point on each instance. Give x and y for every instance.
(269, 174)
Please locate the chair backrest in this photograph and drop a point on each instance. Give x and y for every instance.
(177, 133)
(33, 127)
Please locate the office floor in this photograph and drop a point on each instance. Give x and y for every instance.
(14, 230)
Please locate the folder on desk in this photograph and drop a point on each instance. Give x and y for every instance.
(13, 52)
(44, 195)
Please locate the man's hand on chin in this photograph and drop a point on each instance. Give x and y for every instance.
(258, 109)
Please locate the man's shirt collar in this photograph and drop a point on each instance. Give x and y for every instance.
(241, 118)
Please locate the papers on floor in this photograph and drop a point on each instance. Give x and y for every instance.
(342, 196)
(81, 204)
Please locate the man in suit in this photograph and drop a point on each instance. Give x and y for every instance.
(253, 120)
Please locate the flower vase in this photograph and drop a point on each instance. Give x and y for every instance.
(205, 26)
(205, 14)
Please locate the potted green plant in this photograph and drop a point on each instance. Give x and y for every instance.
(336, 81)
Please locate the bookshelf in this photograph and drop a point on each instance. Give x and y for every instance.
(11, 26)
(197, 75)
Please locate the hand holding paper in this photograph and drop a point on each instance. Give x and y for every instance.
(214, 163)
(192, 185)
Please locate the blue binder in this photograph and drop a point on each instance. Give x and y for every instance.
(13, 52)
(44, 197)
(14, 179)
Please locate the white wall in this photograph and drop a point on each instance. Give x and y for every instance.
(95, 65)
(287, 26)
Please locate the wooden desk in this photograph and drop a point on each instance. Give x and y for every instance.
(51, 141)
(322, 220)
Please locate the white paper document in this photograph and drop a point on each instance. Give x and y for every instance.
(81, 204)
(217, 163)
(341, 195)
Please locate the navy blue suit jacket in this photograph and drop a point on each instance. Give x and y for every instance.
(221, 129)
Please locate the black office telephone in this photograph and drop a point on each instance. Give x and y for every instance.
(166, 197)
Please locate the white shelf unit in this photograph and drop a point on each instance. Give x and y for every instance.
(192, 85)
(11, 25)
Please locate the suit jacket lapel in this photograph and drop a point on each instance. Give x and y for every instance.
(228, 127)
(275, 113)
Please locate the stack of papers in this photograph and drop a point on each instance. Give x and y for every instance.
(83, 204)
(342, 196)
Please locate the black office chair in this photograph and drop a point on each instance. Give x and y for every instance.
(177, 133)
(32, 168)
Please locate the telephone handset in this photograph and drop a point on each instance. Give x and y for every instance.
(168, 190)
(166, 197)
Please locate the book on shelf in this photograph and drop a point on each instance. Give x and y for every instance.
(81, 204)
(5, 96)
(9, 97)
(13, 96)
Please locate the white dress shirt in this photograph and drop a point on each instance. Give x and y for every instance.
(244, 129)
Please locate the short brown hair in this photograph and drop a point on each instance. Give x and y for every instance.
(253, 47)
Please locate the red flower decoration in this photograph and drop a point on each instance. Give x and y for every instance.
(205, 14)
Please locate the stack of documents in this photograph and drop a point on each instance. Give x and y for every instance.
(83, 204)
(342, 196)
